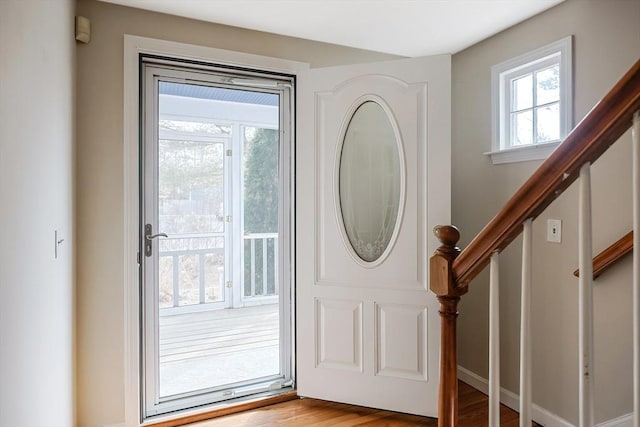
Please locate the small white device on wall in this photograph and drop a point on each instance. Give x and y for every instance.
(83, 29)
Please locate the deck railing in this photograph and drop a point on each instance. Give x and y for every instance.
(259, 270)
(263, 271)
(175, 256)
(452, 270)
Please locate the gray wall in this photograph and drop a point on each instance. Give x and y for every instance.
(606, 44)
(37, 63)
(100, 177)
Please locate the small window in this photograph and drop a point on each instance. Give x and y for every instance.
(532, 103)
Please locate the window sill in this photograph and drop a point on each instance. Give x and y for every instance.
(523, 154)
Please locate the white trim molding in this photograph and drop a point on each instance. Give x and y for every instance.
(134, 46)
(540, 415)
(510, 399)
(622, 421)
(523, 153)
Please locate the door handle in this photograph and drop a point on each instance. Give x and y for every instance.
(155, 235)
(148, 239)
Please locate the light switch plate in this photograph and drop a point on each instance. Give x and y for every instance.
(58, 242)
(554, 230)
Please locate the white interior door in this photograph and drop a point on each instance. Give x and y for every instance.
(368, 328)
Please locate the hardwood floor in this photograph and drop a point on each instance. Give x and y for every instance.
(319, 413)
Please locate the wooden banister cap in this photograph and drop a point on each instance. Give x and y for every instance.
(448, 235)
(442, 282)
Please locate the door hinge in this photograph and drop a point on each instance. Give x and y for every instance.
(229, 284)
(229, 218)
(229, 153)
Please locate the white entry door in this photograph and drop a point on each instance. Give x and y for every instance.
(368, 329)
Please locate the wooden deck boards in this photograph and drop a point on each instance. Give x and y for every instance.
(212, 348)
(208, 333)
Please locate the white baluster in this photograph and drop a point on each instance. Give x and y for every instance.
(525, 325)
(635, 137)
(201, 278)
(585, 300)
(494, 342)
(264, 266)
(176, 280)
(276, 280)
(253, 267)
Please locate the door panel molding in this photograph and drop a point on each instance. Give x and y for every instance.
(344, 317)
(395, 355)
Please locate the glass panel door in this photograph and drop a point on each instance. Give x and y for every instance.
(216, 324)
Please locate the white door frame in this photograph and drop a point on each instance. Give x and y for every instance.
(134, 46)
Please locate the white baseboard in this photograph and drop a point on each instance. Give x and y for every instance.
(540, 415)
(510, 399)
(623, 421)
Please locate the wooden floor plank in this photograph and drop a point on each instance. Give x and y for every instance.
(319, 413)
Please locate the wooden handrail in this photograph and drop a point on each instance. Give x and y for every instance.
(611, 255)
(604, 124)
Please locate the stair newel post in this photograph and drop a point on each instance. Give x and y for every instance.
(448, 292)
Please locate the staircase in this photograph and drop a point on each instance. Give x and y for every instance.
(452, 269)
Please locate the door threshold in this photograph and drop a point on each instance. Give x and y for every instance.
(222, 410)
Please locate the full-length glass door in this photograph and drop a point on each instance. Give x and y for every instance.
(215, 236)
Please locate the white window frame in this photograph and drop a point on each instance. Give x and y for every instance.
(501, 76)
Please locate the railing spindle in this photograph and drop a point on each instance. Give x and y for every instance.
(253, 267)
(176, 280)
(264, 267)
(525, 325)
(276, 284)
(585, 303)
(635, 137)
(201, 279)
(494, 341)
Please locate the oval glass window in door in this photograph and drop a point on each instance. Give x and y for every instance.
(370, 181)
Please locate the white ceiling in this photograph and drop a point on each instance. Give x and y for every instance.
(401, 27)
